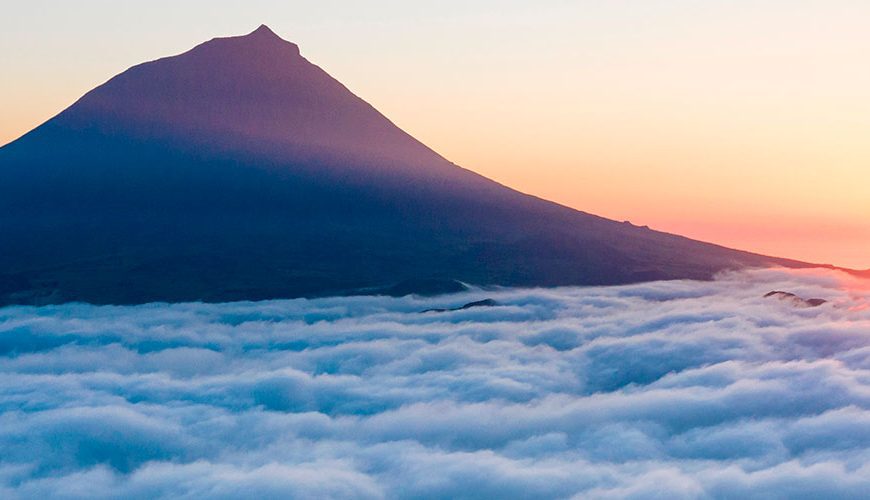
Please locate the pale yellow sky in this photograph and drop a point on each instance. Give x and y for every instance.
(745, 123)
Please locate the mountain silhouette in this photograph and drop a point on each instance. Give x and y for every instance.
(240, 171)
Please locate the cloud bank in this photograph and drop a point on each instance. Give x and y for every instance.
(667, 389)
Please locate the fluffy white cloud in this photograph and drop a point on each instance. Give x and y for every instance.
(667, 389)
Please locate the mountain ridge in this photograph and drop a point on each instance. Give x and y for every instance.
(240, 170)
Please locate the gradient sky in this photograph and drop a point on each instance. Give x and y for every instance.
(745, 123)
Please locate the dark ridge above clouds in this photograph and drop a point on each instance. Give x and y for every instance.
(241, 171)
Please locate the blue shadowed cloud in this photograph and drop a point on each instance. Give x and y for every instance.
(671, 389)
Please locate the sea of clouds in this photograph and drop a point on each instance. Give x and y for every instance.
(669, 389)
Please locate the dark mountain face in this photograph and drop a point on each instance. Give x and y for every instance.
(239, 170)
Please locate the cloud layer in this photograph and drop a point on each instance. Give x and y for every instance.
(666, 389)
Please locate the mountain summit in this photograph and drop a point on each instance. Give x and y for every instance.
(248, 94)
(239, 170)
(266, 32)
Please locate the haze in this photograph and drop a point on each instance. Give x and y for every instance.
(742, 123)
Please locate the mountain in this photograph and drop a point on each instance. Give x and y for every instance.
(239, 170)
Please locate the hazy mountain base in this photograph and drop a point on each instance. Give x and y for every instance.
(142, 222)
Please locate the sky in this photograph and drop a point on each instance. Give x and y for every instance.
(744, 123)
(677, 389)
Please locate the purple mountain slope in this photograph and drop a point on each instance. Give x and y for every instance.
(239, 170)
(247, 93)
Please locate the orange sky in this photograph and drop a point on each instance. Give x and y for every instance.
(742, 123)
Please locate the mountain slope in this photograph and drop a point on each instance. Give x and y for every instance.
(239, 170)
